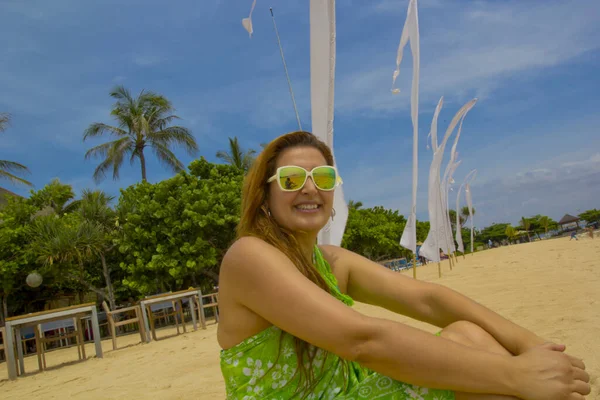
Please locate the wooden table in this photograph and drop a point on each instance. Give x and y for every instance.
(14, 325)
(168, 297)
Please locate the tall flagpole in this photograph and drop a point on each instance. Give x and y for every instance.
(411, 32)
(287, 75)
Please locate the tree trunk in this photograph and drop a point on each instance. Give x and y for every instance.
(211, 274)
(143, 163)
(4, 309)
(108, 281)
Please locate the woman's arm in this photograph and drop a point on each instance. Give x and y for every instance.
(266, 282)
(371, 283)
(448, 306)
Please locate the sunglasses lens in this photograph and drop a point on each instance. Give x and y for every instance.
(325, 177)
(292, 178)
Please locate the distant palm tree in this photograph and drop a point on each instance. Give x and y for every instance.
(8, 168)
(142, 122)
(545, 223)
(354, 205)
(526, 225)
(236, 156)
(464, 213)
(511, 233)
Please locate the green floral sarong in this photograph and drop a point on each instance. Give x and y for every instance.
(264, 367)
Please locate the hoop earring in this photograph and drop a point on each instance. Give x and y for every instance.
(266, 211)
(332, 213)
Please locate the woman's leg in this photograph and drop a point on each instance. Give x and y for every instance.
(471, 335)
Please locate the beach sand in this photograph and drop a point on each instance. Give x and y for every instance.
(551, 287)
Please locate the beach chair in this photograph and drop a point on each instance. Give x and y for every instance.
(403, 264)
(208, 301)
(113, 322)
(62, 334)
(163, 310)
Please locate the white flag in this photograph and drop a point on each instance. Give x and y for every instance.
(459, 241)
(458, 237)
(247, 22)
(450, 168)
(411, 32)
(437, 238)
(470, 205)
(445, 202)
(322, 79)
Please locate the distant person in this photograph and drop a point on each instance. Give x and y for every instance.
(490, 244)
(591, 232)
(419, 256)
(573, 236)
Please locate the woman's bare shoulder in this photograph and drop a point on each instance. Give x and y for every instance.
(248, 246)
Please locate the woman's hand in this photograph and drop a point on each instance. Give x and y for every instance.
(546, 373)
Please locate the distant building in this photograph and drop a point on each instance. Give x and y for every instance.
(569, 222)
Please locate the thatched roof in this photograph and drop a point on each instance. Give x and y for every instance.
(567, 219)
(4, 193)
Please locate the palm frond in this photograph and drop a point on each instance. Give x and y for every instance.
(13, 166)
(225, 156)
(167, 158)
(13, 178)
(121, 93)
(177, 135)
(102, 150)
(4, 121)
(99, 129)
(113, 154)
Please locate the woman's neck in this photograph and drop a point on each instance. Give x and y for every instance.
(307, 242)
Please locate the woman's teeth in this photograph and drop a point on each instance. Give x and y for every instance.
(307, 206)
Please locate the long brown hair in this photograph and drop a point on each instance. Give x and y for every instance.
(256, 221)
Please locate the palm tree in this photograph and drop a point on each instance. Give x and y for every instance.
(354, 205)
(464, 214)
(452, 215)
(94, 208)
(526, 225)
(142, 122)
(8, 168)
(237, 156)
(511, 233)
(56, 241)
(84, 236)
(545, 223)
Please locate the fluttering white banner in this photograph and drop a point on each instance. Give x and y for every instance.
(322, 79)
(471, 175)
(411, 32)
(247, 22)
(437, 238)
(446, 182)
(470, 205)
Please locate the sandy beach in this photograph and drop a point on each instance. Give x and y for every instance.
(551, 287)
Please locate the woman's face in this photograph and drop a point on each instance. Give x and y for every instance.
(296, 211)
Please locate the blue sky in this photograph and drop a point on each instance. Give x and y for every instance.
(534, 135)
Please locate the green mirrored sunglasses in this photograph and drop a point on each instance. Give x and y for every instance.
(292, 178)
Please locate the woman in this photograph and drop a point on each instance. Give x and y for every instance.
(287, 330)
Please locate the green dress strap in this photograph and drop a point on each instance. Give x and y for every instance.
(325, 270)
